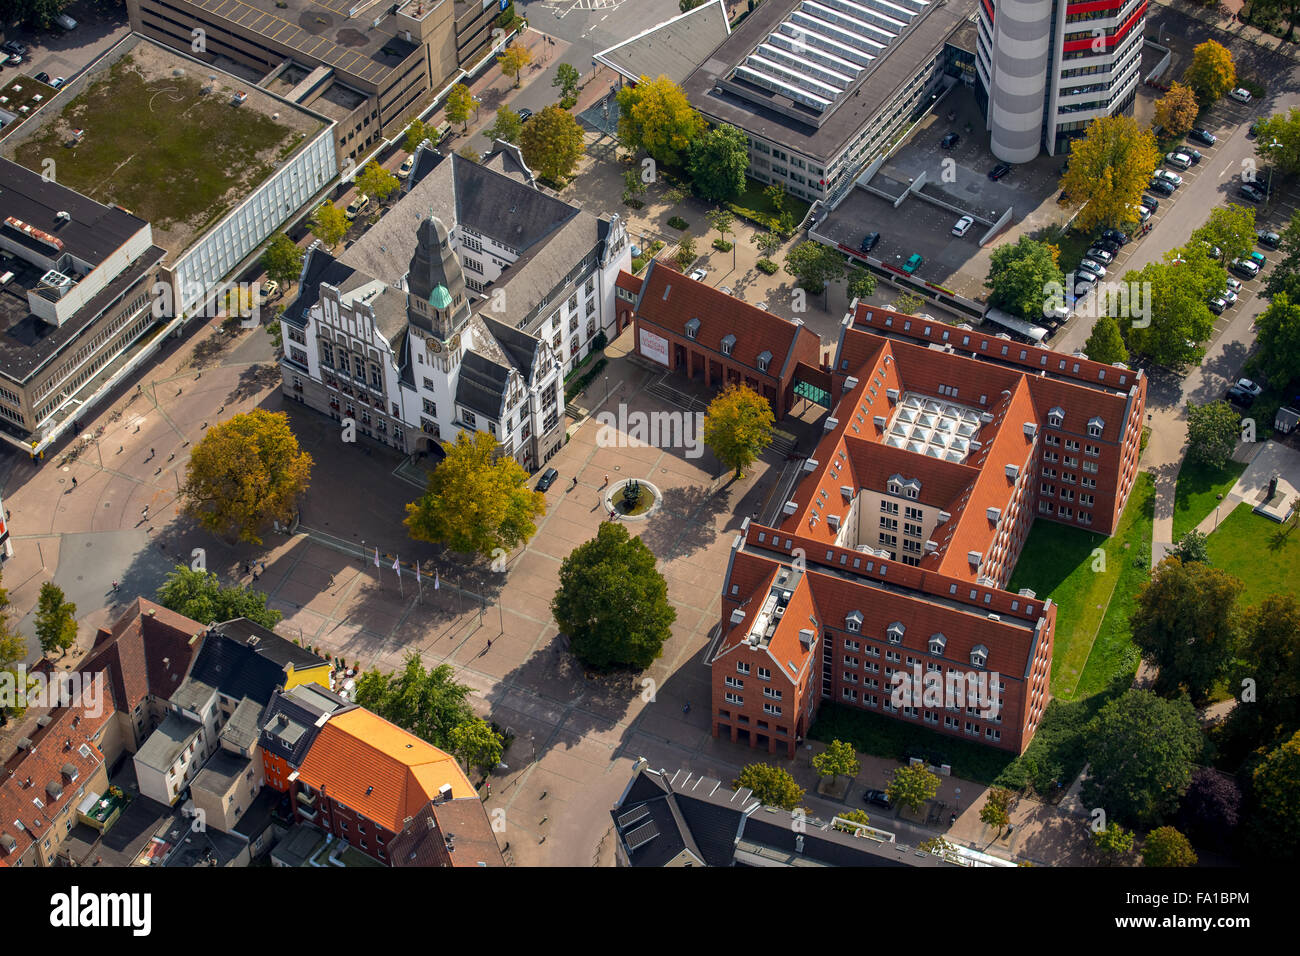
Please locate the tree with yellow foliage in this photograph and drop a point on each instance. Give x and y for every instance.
(1109, 169)
(513, 60)
(738, 426)
(1211, 73)
(476, 502)
(244, 474)
(655, 116)
(1176, 110)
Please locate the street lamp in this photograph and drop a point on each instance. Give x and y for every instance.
(607, 388)
(1216, 511)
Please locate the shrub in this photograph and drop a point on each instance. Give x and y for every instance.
(677, 222)
(722, 245)
(767, 267)
(578, 385)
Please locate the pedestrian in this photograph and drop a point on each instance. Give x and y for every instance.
(686, 708)
(74, 481)
(489, 643)
(152, 452)
(606, 481)
(114, 587)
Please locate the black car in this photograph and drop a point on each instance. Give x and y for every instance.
(14, 47)
(869, 241)
(1115, 236)
(877, 798)
(1193, 154)
(43, 77)
(1110, 245)
(1151, 202)
(998, 171)
(949, 141)
(1239, 396)
(547, 479)
(1252, 192)
(1202, 136)
(1269, 240)
(1161, 187)
(525, 114)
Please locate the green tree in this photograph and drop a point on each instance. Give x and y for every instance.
(1213, 430)
(475, 742)
(1106, 344)
(1275, 824)
(775, 194)
(477, 502)
(1176, 111)
(738, 426)
(377, 182)
(838, 758)
(1289, 9)
(1165, 846)
(552, 144)
(936, 845)
(199, 596)
(1109, 168)
(687, 5)
(722, 220)
(613, 602)
(814, 265)
(1140, 750)
(428, 703)
(470, 153)
(1191, 547)
(655, 116)
(1174, 295)
(685, 253)
(282, 259)
(1231, 228)
(1278, 337)
(416, 134)
(1277, 142)
(996, 811)
(911, 786)
(566, 80)
(909, 303)
(508, 126)
(1268, 655)
(329, 223)
(247, 472)
(861, 284)
(767, 242)
(35, 13)
(1211, 73)
(1020, 276)
(771, 786)
(717, 162)
(13, 651)
(513, 60)
(56, 620)
(855, 816)
(1114, 843)
(460, 103)
(1184, 624)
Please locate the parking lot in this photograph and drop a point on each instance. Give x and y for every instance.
(60, 53)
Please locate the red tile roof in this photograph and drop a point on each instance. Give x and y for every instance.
(628, 281)
(148, 650)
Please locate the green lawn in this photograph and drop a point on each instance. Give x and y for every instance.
(1197, 493)
(159, 146)
(1258, 551)
(1058, 561)
(754, 204)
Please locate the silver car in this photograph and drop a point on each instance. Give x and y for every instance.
(1096, 268)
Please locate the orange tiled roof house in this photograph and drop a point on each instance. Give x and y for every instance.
(894, 550)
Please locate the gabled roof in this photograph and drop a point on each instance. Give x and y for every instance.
(519, 347)
(293, 718)
(357, 751)
(146, 651)
(481, 385)
(319, 267)
(268, 644)
(233, 668)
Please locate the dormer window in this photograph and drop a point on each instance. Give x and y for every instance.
(1055, 417)
(728, 343)
(853, 622)
(1095, 426)
(937, 644)
(895, 632)
(764, 360)
(979, 655)
(692, 328)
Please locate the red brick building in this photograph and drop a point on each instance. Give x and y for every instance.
(715, 338)
(894, 550)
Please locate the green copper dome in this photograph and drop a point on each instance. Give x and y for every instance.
(440, 298)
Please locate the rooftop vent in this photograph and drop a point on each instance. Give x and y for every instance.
(1030, 429)
(737, 616)
(994, 514)
(1013, 472)
(830, 423)
(811, 464)
(879, 421)
(974, 557)
(847, 492)
(943, 516)
(807, 636)
(790, 507)
(850, 383)
(892, 393)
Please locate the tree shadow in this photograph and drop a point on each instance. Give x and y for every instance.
(253, 381)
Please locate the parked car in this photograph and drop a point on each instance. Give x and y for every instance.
(1257, 258)
(1172, 179)
(66, 22)
(1195, 154)
(1203, 136)
(1096, 268)
(1254, 127)
(1083, 284)
(1217, 304)
(1151, 202)
(1116, 236)
(1110, 245)
(1234, 285)
(525, 114)
(877, 798)
(949, 141)
(547, 479)
(408, 164)
(1214, 251)
(998, 171)
(58, 82)
(869, 241)
(1252, 192)
(963, 226)
(1247, 385)
(1239, 396)
(1160, 187)
(1244, 268)
(699, 275)
(1179, 160)
(1143, 213)
(42, 77)
(267, 291)
(357, 205)
(1099, 255)
(1229, 296)
(1241, 95)
(14, 48)
(1269, 240)
(913, 263)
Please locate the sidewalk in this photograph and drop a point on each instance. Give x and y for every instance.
(1229, 24)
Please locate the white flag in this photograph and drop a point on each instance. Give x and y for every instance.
(417, 572)
(435, 579)
(376, 556)
(397, 566)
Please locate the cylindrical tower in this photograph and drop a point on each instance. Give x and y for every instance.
(1022, 36)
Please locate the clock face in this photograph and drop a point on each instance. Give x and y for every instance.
(434, 345)
(454, 344)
